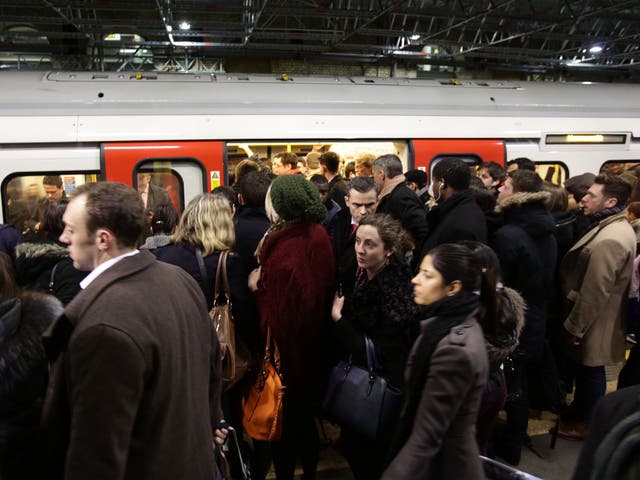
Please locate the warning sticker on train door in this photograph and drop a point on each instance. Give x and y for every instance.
(215, 179)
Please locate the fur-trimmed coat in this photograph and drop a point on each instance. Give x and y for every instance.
(527, 249)
(24, 374)
(34, 265)
(384, 310)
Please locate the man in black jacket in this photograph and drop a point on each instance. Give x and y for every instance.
(456, 216)
(399, 201)
(361, 200)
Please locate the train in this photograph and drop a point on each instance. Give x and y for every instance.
(192, 129)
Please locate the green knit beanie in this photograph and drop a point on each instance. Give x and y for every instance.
(294, 198)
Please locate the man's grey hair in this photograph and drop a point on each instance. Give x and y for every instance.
(390, 164)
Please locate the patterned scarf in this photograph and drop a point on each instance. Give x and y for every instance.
(597, 217)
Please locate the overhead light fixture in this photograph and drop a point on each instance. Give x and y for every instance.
(595, 49)
(185, 26)
(586, 138)
(169, 28)
(414, 37)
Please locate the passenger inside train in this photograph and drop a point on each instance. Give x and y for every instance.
(475, 318)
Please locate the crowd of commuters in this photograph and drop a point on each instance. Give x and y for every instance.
(468, 307)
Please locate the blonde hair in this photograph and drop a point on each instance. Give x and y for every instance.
(207, 224)
(268, 206)
(365, 158)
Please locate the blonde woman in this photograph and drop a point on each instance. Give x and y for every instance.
(207, 226)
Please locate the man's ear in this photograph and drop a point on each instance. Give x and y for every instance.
(240, 199)
(104, 239)
(611, 202)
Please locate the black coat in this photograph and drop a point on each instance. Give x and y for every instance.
(24, 373)
(338, 190)
(382, 309)
(404, 205)
(457, 218)
(35, 263)
(344, 239)
(250, 224)
(527, 249)
(244, 309)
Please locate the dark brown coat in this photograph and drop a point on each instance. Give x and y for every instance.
(442, 443)
(134, 378)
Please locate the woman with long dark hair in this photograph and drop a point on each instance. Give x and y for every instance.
(447, 370)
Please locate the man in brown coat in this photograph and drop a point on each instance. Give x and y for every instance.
(595, 276)
(135, 384)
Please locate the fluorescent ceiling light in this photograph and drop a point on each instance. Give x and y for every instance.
(414, 37)
(595, 49)
(185, 26)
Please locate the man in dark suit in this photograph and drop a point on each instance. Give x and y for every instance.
(362, 193)
(152, 195)
(135, 360)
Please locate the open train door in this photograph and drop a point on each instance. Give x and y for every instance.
(427, 152)
(185, 169)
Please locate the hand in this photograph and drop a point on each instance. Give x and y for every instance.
(254, 276)
(336, 309)
(220, 436)
(573, 340)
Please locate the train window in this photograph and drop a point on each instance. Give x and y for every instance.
(472, 160)
(24, 196)
(619, 166)
(159, 183)
(554, 172)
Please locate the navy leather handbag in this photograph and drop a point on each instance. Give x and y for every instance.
(360, 399)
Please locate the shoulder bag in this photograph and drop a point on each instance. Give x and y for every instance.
(262, 404)
(360, 399)
(235, 356)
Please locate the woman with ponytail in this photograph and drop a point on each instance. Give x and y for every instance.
(447, 370)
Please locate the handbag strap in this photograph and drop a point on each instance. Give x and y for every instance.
(372, 358)
(276, 351)
(52, 277)
(225, 279)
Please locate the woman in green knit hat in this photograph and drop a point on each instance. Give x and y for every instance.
(294, 287)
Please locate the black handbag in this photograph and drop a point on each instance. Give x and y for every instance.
(360, 399)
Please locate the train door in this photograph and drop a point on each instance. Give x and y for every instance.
(182, 169)
(22, 171)
(427, 152)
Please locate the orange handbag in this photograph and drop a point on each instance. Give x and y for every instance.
(262, 404)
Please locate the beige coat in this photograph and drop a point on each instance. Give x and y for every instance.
(595, 276)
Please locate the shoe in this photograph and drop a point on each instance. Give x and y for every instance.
(631, 338)
(572, 430)
(508, 454)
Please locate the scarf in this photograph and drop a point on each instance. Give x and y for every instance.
(597, 217)
(449, 312)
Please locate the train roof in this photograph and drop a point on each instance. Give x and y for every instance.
(145, 93)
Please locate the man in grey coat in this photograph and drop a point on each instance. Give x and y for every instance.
(135, 382)
(595, 275)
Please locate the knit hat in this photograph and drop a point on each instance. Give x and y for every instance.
(295, 198)
(579, 184)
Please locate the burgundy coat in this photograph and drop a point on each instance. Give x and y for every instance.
(294, 297)
(135, 378)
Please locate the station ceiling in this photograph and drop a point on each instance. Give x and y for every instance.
(520, 35)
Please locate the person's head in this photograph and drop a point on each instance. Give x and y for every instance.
(520, 181)
(322, 184)
(416, 180)
(450, 175)
(379, 239)
(330, 163)
(521, 163)
(491, 174)
(607, 191)
(102, 220)
(292, 198)
(282, 163)
(485, 199)
(143, 180)
(577, 187)
(253, 189)
(8, 287)
(364, 164)
(164, 219)
(52, 185)
(633, 211)
(447, 270)
(385, 168)
(229, 193)
(312, 159)
(559, 200)
(207, 224)
(52, 225)
(361, 198)
(350, 170)
(244, 167)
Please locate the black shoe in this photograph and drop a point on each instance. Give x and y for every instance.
(508, 454)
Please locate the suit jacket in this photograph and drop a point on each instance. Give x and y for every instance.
(443, 443)
(157, 196)
(344, 240)
(595, 277)
(135, 381)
